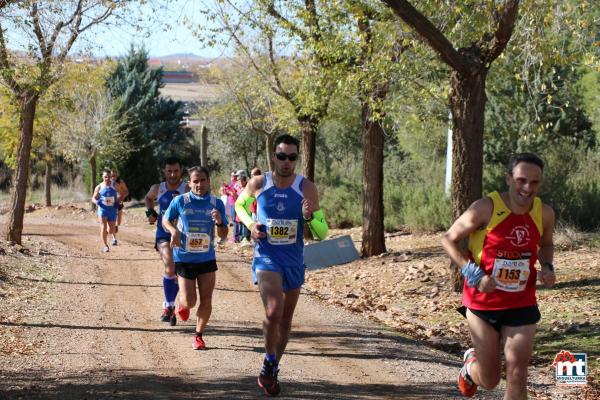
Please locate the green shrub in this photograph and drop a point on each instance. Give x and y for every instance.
(426, 208)
(413, 195)
(576, 200)
(342, 205)
(393, 200)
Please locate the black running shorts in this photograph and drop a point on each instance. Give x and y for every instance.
(193, 270)
(159, 241)
(509, 317)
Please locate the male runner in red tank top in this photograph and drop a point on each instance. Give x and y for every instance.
(508, 232)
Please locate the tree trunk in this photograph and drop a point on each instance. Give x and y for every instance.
(48, 183)
(373, 239)
(203, 146)
(467, 102)
(309, 135)
(14, 227)
(93, 173)
(270, 141)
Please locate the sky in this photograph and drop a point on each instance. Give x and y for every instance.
(115, 40)
(159, 41)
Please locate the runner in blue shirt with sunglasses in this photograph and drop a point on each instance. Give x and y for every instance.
(285, 203)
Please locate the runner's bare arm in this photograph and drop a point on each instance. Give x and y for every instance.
(168, 225)
(546, 248)
(222, 228)
(124, 190)
(150, 199)
(151, 196)
(477, 216)
(96, 195)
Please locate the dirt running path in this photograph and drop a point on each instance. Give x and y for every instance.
(98, 336)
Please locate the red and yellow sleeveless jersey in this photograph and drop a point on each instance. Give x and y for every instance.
(506, 249)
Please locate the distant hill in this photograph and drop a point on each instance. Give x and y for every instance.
(185, 61)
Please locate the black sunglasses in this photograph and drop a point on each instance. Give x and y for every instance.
(284, 156)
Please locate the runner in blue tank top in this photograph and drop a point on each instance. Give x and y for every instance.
(121, 187)
(191, 219)
(286, 202)
(106, 198)
(162, 194)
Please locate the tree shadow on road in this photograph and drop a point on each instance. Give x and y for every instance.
(89, 283)
(135, 384)
(344, 341)
(350, 342)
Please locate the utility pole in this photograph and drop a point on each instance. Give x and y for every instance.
(203, 146)
(449, 157)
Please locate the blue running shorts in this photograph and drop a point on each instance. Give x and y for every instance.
(110, 215)
(292, 275)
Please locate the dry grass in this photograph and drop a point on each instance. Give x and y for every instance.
(567, 237)
(60, 195)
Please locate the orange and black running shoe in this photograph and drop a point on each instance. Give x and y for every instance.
(467, 387)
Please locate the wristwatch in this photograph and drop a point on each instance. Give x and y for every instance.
(549, 265)
(151, 212)
(308, 219)
(220, 225)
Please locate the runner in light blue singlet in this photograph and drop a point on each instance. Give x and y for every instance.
(193, 219)
(106, 198)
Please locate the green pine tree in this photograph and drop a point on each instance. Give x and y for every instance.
(152, 123)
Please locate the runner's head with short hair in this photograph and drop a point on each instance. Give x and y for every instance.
(198, 168)
(523, 179)
(106, 175)
(172, 161)
(286, 139)
(199, 180)
(524, 157)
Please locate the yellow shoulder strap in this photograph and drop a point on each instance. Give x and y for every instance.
(536, 215)
(499, 212)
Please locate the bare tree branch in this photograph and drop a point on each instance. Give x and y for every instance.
(311, 8)
(430, 33)
(506, 24)
(8, 70)
(279, 89)
(284, 22)
(98, 20)
(6, 3)
(274, 71)
(74, 24)
(37, 29)
(314, 29)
